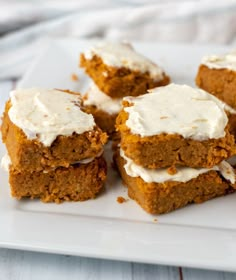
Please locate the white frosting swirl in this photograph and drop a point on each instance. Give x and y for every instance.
(227, 61)
(123, 55)
(183, 174)
(102, 101)
(45, 114)
(177, 109)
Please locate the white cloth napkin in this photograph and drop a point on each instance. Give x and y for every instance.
(195, 21)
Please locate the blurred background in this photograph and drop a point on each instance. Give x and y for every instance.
(27, 25)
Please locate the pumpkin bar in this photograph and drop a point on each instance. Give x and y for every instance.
(175, 125)
(118, 70)
(44, 129)
(217, 75)
(161, 191)
(78, 182)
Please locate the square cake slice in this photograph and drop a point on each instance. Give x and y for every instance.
(118, 70)
(158, 191)
(175, 125)
(44, 129)
(217, 75)
(78, 182)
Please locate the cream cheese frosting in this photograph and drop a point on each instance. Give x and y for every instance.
(227, 61)
(5, 162)
(226, 107)
(44, 114)
(177, 109)
(183, 174)
(88, 160)
(123, 55)
(229, 109)
(102, 101)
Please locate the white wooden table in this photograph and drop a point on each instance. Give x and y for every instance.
(22, 265)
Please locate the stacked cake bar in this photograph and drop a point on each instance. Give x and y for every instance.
(174, 143)
(54, 148)
(117, 70)
(217, 75)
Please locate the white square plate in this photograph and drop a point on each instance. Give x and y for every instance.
(196, 236)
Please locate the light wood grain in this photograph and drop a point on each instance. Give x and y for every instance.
(21, 265)
(196, 274)
(152, 272)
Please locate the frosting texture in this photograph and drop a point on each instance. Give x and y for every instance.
(44, 114)
(5, 162)
(177, 109)
(227, 61)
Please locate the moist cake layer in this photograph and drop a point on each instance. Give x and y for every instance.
(159, 198)
(78, 182)
(220, 82)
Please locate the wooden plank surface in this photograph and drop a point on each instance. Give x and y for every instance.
(196, 274)
(20, 265)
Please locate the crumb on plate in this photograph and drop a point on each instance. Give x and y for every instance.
(121, 199)
(74, 77)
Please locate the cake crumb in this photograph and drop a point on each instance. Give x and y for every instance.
(121, 199)
(155, 220)
(172, 170)
(74, 77)
(85, 97)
